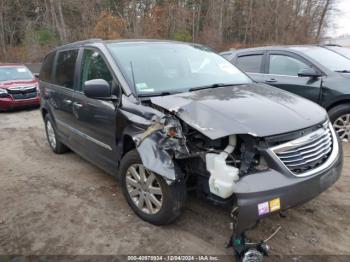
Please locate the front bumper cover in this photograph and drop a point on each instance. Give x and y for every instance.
(291, 191)
(9, 104)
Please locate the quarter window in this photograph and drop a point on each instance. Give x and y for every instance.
(250, 63)
(285, 65)
(94, 67)
(65, 68)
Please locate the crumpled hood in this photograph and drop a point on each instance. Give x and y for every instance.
(256, 109)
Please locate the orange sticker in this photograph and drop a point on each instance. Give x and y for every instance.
(275, 204)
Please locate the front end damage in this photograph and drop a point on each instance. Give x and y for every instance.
(160, 145)
(257, 176)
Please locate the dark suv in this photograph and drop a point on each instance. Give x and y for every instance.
(166, 117)
(313, 72)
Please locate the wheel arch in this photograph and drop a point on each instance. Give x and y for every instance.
(47, 111)
(342, 101)
(128, 144)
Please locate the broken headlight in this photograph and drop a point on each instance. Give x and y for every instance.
(261, 164)
(172, 127)
(250, 155)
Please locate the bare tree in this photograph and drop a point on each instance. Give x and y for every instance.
(217, 23)
(2, 30)
(325, 9)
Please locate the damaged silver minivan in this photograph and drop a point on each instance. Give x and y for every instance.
(167, 117)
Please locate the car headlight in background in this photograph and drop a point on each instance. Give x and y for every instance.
(3, 92)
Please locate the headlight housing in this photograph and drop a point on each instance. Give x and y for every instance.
(172, 127)
(3, 92)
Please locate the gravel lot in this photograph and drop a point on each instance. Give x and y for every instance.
(60, 204)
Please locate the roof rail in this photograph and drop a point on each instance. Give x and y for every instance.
(79, 43)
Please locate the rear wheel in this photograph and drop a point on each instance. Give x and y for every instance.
(340, 117)
(150, 197)
(55, 144)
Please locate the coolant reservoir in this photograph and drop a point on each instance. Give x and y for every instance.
(222, 176)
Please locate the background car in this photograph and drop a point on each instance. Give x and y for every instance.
(344, 51)
(313, 72)
(228, 54)
(18, 87)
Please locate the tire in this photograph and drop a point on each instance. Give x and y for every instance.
(171, 198)
(51, 134)
(340, 118)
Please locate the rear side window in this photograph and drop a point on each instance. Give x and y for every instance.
(46, 67)
(65, 67)
(285, 65)
(250, 63)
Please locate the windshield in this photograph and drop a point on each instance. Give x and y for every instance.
(341, 50)
(15, 73)
(327, 58)
(170, 67)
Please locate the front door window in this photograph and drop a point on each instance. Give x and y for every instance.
(285, 65)
(94, 67)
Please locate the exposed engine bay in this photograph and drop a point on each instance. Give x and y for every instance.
(220, 161)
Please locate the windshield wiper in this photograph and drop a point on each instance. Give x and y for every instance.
(167, 93)
(209, 86)
(156, 94)
(342, 71)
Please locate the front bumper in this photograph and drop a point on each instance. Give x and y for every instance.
(259, 189)
(8, 103)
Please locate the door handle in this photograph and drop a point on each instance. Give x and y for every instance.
(77, 105)
(271, 80)
(67, 101)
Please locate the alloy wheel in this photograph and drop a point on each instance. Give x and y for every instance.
(144, 189)
(342, 127)
(51, 134)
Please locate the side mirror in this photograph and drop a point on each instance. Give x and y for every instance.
(36, 75)
(97, 89)
(309, 72)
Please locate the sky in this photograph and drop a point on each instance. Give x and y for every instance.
(341, 19)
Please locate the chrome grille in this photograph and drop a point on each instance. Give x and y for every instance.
(308, 152)
(22, 92)
(24, 95)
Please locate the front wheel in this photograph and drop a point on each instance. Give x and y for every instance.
(340, 117)
(148, 194)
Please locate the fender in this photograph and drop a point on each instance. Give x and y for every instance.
(157, 150)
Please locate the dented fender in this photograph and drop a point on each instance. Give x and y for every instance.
(156, 149)
(157, 159)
